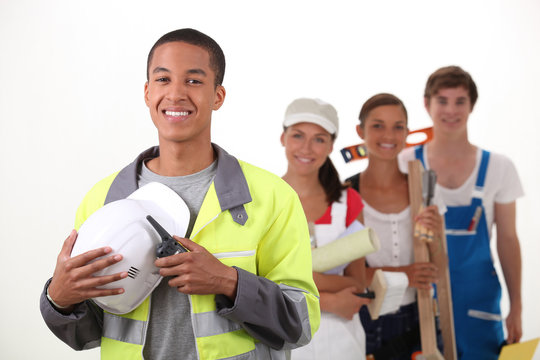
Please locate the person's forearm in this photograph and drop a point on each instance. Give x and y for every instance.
(327, 301)
(510, 257)
(509, 251)
(271, 313)
(81, 329)
(334, 283)
(371, 270)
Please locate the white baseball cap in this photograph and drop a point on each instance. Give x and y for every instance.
(122, 225)
(313, 111)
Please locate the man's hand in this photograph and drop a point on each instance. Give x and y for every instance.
(198, 271)
(430, 218)
(513, 327)
(73, 280)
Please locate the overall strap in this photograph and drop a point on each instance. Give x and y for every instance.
(419, 153)
(478, 190)
(483, 169)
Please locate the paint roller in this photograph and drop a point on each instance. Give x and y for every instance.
(345, 249)
(387, 288)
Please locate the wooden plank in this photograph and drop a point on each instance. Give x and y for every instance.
(444, 295)
(426, 314)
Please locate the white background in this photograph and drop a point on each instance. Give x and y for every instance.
(72, 110)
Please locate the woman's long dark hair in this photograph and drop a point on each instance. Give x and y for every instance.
(329, 179)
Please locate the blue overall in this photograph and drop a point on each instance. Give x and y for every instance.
(476, 291)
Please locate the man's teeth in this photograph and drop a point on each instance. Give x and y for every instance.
(177, 113)
(388, 146)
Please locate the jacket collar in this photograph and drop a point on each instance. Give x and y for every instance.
(230, 183)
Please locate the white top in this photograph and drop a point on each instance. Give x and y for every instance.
(337, 337)
(328, 233)
(395, 234)
(502, 184)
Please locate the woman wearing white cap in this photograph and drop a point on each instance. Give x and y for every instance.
(310, 128)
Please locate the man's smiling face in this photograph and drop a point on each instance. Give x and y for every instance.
(181, 92)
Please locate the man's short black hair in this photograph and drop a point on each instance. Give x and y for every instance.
(197, 38)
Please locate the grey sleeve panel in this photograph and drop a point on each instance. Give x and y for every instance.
(80, 330)
(264, 310)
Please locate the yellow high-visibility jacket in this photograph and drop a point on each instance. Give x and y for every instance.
(249, 219)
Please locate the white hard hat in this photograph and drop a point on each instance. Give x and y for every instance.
(122, 225)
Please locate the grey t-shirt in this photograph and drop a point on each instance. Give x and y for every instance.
(170, 332)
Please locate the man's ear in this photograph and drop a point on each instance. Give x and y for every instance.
(360, 131)
(146, 94)
(219, 97)
(282, 138)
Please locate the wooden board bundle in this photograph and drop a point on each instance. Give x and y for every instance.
(426, 305)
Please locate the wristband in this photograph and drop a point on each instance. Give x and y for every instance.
(52, 301)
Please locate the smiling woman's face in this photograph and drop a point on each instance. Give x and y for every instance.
(384, 131)
(307, 146)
